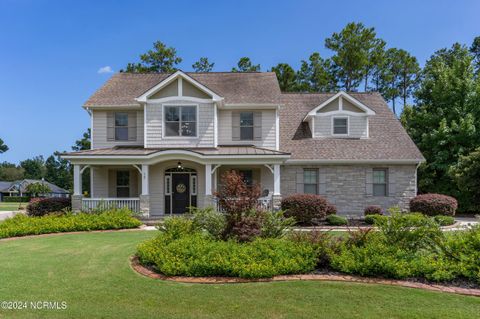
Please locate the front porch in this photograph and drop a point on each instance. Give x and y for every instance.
(169, 185)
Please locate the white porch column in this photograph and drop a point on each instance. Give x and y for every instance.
(145, 179)
(77, 180)
(276, 179)
(208, 179)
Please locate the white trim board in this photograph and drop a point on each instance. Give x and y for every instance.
(178, 74)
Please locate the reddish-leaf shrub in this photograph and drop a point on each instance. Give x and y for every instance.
(331, 209)
(306, 208)
(434, 204)
(246, 227)
(373, 210)
(235, 196)
(43, 206)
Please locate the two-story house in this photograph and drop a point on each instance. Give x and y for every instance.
(161, 142)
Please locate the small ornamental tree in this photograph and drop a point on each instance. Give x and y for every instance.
(239, 201)
(235, 196)
(36, 189)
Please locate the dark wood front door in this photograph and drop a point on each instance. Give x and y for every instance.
(180, 193)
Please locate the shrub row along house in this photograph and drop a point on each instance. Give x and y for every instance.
(161, 142)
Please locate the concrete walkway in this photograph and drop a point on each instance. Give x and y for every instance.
(7, 214)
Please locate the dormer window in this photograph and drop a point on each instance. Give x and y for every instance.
(180, 120)
(340, 125)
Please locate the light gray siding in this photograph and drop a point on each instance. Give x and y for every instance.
(357, 126)
(267, 140)
(205, 122)
(99, 131)
(349, 187)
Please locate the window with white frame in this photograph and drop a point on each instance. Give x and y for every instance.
(121, 126)
(340, 125)
(310, 181)
(380, 181)
(181, 120)
(246, 126)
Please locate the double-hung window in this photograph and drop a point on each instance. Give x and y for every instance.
(340, 126)
(247, 175)
(181, 121)
(310, 181)
(246, 126)
(380, 182)
(121, 126)
(123, 184)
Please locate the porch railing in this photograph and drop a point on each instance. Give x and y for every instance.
(265, 203)
(91, 204)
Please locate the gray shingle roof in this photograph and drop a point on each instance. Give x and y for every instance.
(388, 139)
(4, 186)
(247, 87)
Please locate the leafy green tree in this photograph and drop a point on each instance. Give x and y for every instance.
(160, 59)
(3, 147)
(353, 46)
(34, 167)
(445, 123)
(475, 50)
(286, 76)
(59, 171)
(246, 65)
(316, 75)
(467, 176)
(399, 76)
(84, 143)
(36, 189)
(203, 65)
(10, 172)
(375, 57)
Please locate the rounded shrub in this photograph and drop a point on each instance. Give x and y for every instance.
(434, 204)
(335, 220)
(331, 209)
(44, 206)
(374, 219)
(444, 220)
(305, 208)
(373, 210)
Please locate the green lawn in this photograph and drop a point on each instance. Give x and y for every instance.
(91, 273)
(11, 206)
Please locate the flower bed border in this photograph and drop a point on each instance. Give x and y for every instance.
(144, 271)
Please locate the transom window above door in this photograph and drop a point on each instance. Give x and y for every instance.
(180, 120)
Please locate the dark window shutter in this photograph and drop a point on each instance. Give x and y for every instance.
(132, 126)
(257, 126)
(110, 126)
(235, 126)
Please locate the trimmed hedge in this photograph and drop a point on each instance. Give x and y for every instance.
(373, 210)
(335, 220)
(434, 204)
(306, 208)
(43, 206)
(22, 225)
(444, 220)
(16, 199)
(200, 255)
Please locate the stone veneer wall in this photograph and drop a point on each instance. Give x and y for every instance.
(349, 187)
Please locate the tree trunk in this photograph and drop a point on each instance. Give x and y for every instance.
(393, 105)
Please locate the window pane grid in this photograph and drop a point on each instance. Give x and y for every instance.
(380, 182)
(121, 126)
(310, 181)
(246, 126)
(181, 121)
(340, 126)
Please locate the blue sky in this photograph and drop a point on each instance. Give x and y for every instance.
(51, 51)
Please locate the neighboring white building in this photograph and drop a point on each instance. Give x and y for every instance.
(161, 142)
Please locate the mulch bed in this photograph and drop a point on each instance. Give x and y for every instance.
(135, 264)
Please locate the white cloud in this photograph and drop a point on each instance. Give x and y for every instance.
(105, 69)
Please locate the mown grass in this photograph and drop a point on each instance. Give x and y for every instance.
(4, 206)
(91, 273)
